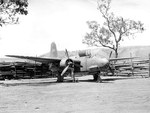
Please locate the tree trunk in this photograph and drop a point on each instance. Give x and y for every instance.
(116, 53)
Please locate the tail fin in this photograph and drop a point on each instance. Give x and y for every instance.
(53, 52)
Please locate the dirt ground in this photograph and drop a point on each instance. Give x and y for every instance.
(114, 95)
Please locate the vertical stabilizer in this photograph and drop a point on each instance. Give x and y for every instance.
(53, 52)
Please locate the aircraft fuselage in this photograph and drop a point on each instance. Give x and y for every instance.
(92, 62)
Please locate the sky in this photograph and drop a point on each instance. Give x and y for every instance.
(64, 22)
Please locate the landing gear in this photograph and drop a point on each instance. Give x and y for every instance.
(97, 77)
(60, 78)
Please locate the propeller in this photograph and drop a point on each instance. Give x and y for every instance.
(64, 71)
(69, 63)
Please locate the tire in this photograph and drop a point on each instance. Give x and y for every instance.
(95, 77)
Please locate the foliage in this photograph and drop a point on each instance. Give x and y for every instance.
(11, 9)
(114, 30)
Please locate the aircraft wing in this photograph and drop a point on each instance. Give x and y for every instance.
(37, 59)
(4, 66)
(122, 65)
(124, 58)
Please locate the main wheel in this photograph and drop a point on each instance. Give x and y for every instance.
(97, 77)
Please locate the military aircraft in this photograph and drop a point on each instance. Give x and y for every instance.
(84, 64)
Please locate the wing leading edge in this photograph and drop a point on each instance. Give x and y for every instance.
(37, 59)
(124, 58)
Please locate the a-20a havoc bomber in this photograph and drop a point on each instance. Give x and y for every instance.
(84, 64)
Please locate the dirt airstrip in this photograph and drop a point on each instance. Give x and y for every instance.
(114, 95)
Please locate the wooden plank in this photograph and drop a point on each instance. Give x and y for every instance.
(149, 65)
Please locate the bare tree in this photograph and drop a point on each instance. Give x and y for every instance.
(113, 31)
(11, 9)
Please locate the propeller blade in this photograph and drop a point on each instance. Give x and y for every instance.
(67, 53)
(110, 54)
(64, 71)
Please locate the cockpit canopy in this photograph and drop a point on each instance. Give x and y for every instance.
(84, 53)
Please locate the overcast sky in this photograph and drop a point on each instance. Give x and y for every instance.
(64, 22)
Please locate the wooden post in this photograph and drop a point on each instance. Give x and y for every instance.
(132, 65)
(149, 64)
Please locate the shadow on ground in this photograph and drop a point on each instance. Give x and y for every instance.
(106, 80)
(54, 82)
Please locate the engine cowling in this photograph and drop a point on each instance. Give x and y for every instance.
(66, 62)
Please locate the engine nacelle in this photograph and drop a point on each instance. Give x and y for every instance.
(65, 62)
(84, 53)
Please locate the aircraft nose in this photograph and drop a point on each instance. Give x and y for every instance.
(102, 62)
(105, 61)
